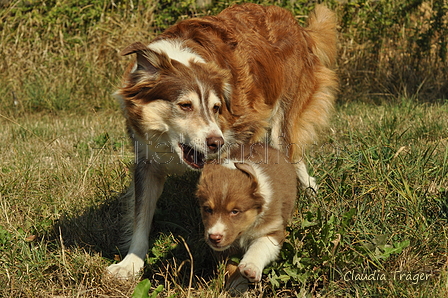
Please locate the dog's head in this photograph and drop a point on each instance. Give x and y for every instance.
(230, 203)
(181, 102)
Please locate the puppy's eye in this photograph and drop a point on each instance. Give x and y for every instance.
(208, 210)
(186, 106)
(216, 108)
(234, 212)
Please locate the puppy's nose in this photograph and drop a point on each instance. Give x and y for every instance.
(214, 143)
(215, 238)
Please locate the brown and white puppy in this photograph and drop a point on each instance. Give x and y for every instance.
(250, 74)
(247, 201)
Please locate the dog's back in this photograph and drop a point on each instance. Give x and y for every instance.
(278, 70)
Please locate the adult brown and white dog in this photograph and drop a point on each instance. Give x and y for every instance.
(247, 75)
(246, 202)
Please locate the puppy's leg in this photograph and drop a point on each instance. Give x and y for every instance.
(148, 182)
(260, 253)
(305, 179)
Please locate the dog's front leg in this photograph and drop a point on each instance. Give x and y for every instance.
(305, 179)
(261, 252)
(148, 186)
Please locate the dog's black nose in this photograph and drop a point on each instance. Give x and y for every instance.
(215, 238)
(215, 143)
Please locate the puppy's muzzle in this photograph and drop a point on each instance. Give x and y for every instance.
(215, 238)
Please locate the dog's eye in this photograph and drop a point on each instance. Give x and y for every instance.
(208, 210)
(186, 106)
(216, 108)
(234, 212)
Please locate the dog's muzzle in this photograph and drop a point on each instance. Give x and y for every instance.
(215, 143)
(196, 159)
(192, 157)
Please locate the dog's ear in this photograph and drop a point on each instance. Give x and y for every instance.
(228, 96)
(133, 48)
(147, 59)
(249, 171)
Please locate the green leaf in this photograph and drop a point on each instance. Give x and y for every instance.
(307, 224)
(142, 289)
(284, 277)
(291, 272)
(273, 279)
(156, 292)
(347, 217)
(5, 236)
(398, 248)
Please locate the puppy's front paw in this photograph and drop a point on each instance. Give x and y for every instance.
(250, 271)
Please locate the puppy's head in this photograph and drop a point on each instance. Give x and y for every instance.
(181, 101)
(229, 202)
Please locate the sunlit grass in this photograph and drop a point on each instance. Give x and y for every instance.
(61, 177)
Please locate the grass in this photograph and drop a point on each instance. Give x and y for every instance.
(382, 167)
(382, 207)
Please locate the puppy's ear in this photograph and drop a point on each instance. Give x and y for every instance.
(147, 60)
(249, 171)
(245, 168)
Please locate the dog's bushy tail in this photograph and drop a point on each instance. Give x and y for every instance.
(322, 29)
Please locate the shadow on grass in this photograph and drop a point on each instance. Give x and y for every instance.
(177, 217)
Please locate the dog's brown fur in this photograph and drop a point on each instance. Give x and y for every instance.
(247, 75)
(265, 57)
(246, 202)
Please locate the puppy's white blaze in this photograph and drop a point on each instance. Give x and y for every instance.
(261, 252)
(225, 188)
(218, 228)
(176, 51)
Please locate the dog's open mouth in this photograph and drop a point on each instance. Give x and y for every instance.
(193, 158)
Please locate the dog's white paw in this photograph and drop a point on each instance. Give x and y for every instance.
(250, 271)
(313, 184)
(306, 181)
(312, 188)
(128, 268)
